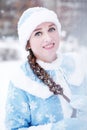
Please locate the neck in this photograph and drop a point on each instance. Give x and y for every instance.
(48, 60)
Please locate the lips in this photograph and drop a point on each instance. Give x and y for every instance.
(49, 46)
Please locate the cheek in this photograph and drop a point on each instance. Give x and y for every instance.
(57, 40)
(35, 46)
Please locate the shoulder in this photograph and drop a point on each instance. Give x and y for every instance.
(22, 73)
(23, 78)
(21, 70)
(68, 62)
(73, 67)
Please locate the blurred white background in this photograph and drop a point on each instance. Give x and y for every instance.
(73, 17)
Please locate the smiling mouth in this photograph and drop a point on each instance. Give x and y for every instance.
(49, 46)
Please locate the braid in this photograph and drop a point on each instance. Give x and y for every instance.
(43, 75)
(46, 79)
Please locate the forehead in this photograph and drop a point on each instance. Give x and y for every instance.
(49, 24)
(43, 25)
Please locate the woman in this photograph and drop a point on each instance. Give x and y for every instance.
(42, 93)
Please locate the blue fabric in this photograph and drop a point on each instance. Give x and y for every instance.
(24, 109)
(70, 124)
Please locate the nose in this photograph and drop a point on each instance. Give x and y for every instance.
(47, 37)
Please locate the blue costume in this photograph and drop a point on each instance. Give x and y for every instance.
(31, 106)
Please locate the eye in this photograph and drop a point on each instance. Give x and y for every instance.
(52, 29)
(38, 34)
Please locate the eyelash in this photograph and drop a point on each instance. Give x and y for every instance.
(50, 30)
(37, 33)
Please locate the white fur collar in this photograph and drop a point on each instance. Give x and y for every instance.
(53, 65)
(22, 81)
(77, 77)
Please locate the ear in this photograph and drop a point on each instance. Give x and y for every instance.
(27, 46)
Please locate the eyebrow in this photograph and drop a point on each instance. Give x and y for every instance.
(38, 29)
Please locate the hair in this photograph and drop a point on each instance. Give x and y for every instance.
(43, 75)
(46, 79)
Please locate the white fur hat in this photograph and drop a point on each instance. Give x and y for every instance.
(31, 18)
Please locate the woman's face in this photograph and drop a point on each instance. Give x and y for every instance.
(44, 42)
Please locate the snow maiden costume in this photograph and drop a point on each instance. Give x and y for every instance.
(30, 103)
